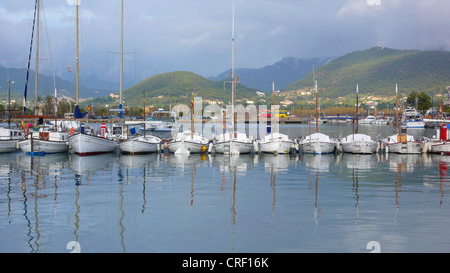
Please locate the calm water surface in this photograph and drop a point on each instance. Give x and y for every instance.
(215, 203)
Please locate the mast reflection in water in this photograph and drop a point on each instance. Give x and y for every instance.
(219, 203)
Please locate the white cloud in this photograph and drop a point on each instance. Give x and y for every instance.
(373, 2)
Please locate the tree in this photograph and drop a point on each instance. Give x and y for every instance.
(423, 101)
(49, 106)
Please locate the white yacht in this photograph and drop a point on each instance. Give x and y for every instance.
(368, 120)
(411, 118)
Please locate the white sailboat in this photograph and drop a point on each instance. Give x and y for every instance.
(45, 142)
(317, 143)
(233, 142)
(275, 142)
(188, 141)
(140, 144)
(358, 143)
(401, 143)
(82, 143)
(42, 141)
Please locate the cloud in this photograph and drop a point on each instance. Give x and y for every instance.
(196, 35)
(358, 8)
(373, 2)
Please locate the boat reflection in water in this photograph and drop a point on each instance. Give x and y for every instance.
(81, 165)
(441, 163)
(168, 201)
(408, 162)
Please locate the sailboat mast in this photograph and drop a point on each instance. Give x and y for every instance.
(357, 108)
(317, 120)
(77, 62)
(192, 116)
(37, 59)
(121, 60)
(272, 123)
(233, 83)
(396, 108)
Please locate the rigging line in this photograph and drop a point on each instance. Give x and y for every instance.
(132, 39)
(29, 60)
(44, 22)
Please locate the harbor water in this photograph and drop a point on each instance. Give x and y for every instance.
(164, 203)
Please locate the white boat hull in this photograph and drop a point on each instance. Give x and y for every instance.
(315, 147)
(440, 148)
(138, 146)
(233, 147)
(276, 146)
(359, 147)
(83, 144)
(414, 124)
(186, 146)
(7, 146)
(46, 146)
(410, 147)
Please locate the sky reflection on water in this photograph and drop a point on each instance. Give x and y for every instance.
(215, 203)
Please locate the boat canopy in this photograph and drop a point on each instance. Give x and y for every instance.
(358, 137)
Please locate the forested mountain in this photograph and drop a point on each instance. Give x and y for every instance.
(377, 70)
(177, 87)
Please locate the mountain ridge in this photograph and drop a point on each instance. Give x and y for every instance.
(282, 73)
(377, 70)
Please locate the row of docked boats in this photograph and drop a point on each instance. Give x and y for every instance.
(38, 141)
(358, 143)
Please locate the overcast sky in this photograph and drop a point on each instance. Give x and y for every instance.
(195, 35)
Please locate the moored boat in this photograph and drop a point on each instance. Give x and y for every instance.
(233, 143)
(85, 144)
(317, 143)
(187, 142)
(358, 144)
(140, 145)
(46, 142)
(276, 143)
(8, 139)
(402, 144)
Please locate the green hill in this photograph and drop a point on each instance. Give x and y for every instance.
(161, 90)
(377, 71)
